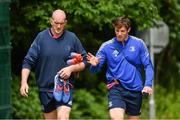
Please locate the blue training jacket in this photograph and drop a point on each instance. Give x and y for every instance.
(124, 63)
(49, 55)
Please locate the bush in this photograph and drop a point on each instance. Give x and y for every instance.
(22, 107)
(91, 103)
(167, 103)
(86, 106)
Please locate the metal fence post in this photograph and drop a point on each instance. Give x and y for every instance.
(5, 61)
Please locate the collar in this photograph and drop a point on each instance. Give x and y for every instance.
(53, 36)
(125, 42)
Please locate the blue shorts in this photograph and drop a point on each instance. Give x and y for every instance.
(130, 101)
(48, 102)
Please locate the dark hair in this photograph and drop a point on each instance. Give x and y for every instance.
(122, 21)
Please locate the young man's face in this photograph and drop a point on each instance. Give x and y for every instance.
(121, 33)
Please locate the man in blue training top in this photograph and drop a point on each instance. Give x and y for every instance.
(125, 55)
(48, 54)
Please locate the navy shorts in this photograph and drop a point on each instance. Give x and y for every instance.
(48, 102)
(130, 101)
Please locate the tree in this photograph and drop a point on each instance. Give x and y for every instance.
(169, 76)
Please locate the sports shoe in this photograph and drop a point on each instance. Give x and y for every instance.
(66, 92)
(75, 58)
(74, 54)
(58, 88)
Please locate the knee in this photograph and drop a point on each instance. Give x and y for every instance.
(116, 117)
(63, 113)
(116, 114)
(63, 116)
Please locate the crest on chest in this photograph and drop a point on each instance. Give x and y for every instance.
(115, 53)
(132, 48)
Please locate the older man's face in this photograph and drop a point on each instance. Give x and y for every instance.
(58, 22)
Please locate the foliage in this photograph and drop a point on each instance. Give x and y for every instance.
(25, 107)
(98, 13)
(168, 69)
(167, 104)
(86, 106)
(91, 105)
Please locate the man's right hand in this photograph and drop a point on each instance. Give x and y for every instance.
(24, 85)
(24, 89)
(92, 59)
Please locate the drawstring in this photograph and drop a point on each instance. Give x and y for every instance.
(110, 85)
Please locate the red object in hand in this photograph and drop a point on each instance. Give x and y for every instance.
(76, 58)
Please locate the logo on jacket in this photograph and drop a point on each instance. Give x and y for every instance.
(115, 53)
(132, 49)
(110, 104)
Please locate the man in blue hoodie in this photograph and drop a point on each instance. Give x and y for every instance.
(125, 55)
(48, 54)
